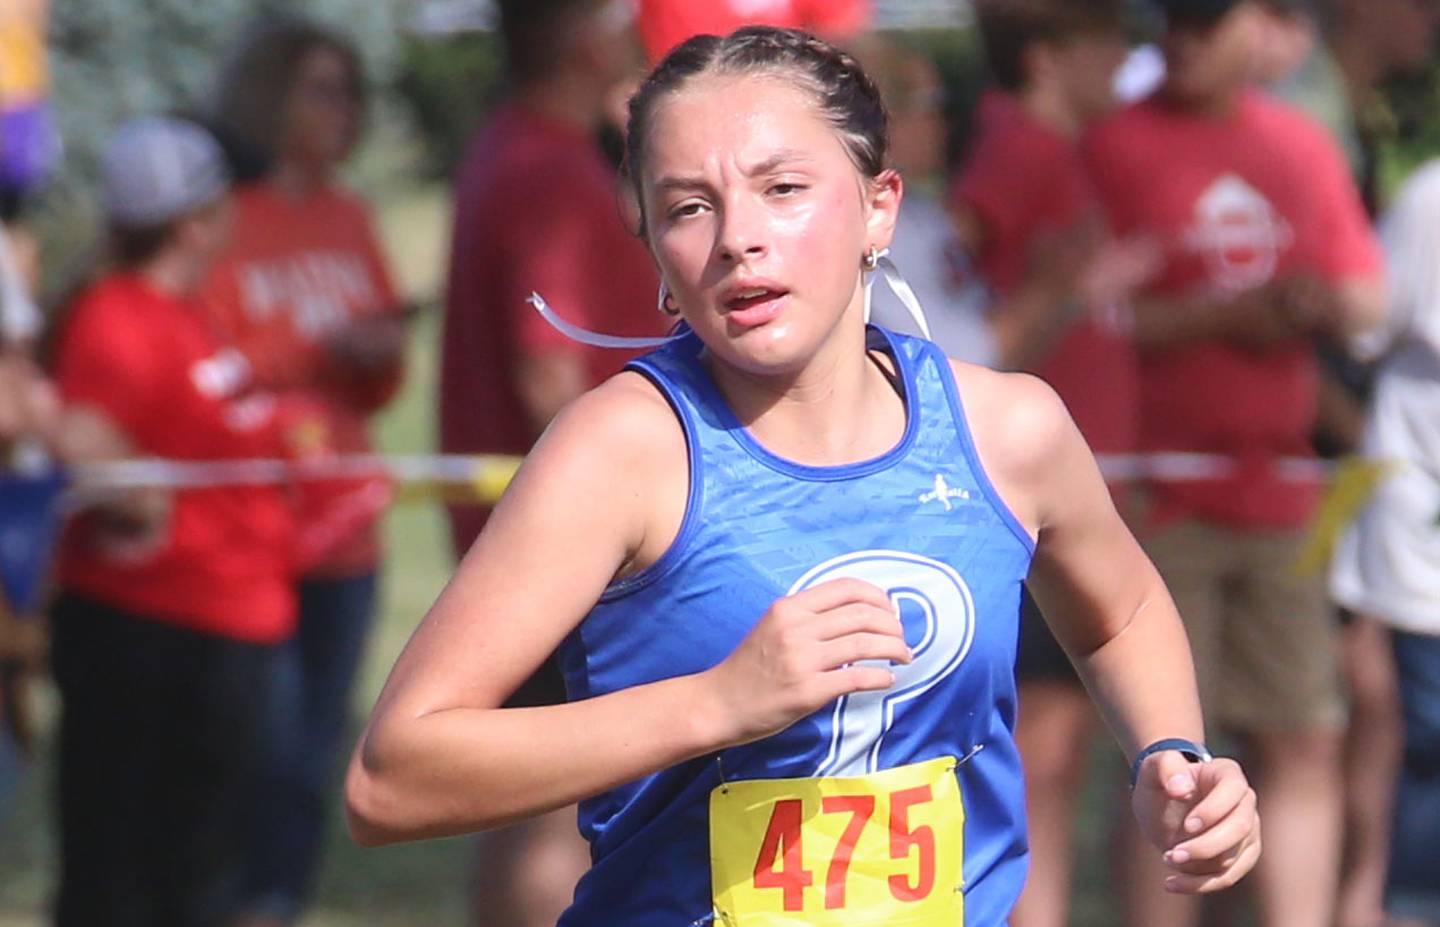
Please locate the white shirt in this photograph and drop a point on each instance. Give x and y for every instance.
(1387, 564)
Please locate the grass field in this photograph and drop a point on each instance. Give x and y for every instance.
(425, 883)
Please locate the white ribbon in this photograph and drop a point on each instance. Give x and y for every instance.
(594, 339)
(898, 285)
(884, 265)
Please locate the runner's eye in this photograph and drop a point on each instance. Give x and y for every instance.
(686, 210)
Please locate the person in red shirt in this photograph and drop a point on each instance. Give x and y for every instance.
(537, 209)
(1024, 205)
(303, 290)
(171, 607)
(666, 23)
(1265, 246)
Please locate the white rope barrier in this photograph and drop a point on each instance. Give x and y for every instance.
(488, 474)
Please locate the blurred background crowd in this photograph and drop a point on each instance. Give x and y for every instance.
(301, 231)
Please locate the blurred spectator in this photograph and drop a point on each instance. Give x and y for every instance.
(29, 409)
(926, 247)
(666, 23)
(170, 607)
(1027, 212)
(1364, 44)
(27, 154)
(29, 146)
(29, 412)
(304, 291)
(1021, 201)
(1387, 566)
(537, 209)
(1266, 246)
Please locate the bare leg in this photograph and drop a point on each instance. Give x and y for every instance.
(1371, 762)
(1052, 732)
(526, 873)
(1297, 776)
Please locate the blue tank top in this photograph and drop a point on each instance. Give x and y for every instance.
(921, 521)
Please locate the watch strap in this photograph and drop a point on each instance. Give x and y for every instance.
(1192, 751)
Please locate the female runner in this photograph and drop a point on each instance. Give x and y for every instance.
(782, 556)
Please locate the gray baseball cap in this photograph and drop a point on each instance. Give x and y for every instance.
(157, 168)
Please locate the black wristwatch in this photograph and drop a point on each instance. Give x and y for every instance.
(1195, 753)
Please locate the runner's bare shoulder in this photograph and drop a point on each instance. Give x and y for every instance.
(1021, 428)
(617, 458)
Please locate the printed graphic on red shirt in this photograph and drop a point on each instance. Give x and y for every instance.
(320, 290)
(1239, 234)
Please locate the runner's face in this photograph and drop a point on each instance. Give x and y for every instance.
(759, 219)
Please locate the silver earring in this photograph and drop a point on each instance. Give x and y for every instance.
(871, 260)
(663, 302)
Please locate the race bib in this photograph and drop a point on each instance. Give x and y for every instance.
(885, 848)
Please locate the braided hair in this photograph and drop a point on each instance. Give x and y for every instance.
(844, 94)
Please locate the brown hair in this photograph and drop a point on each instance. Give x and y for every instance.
(258, 77)
(844, 94)
(1008, 28)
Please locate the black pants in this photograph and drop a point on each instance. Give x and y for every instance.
(158, 728)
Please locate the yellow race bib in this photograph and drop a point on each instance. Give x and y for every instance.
(886, 848)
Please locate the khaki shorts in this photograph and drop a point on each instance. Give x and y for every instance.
(1264, 641)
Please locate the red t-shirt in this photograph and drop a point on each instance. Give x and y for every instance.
(296, 273)
(1233, 203)
(1023, 179)
(666, 23)
(152, 365)
(536, 211)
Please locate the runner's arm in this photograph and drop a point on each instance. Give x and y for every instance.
(1111, 611)
(1101, 595)
(440, 756)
